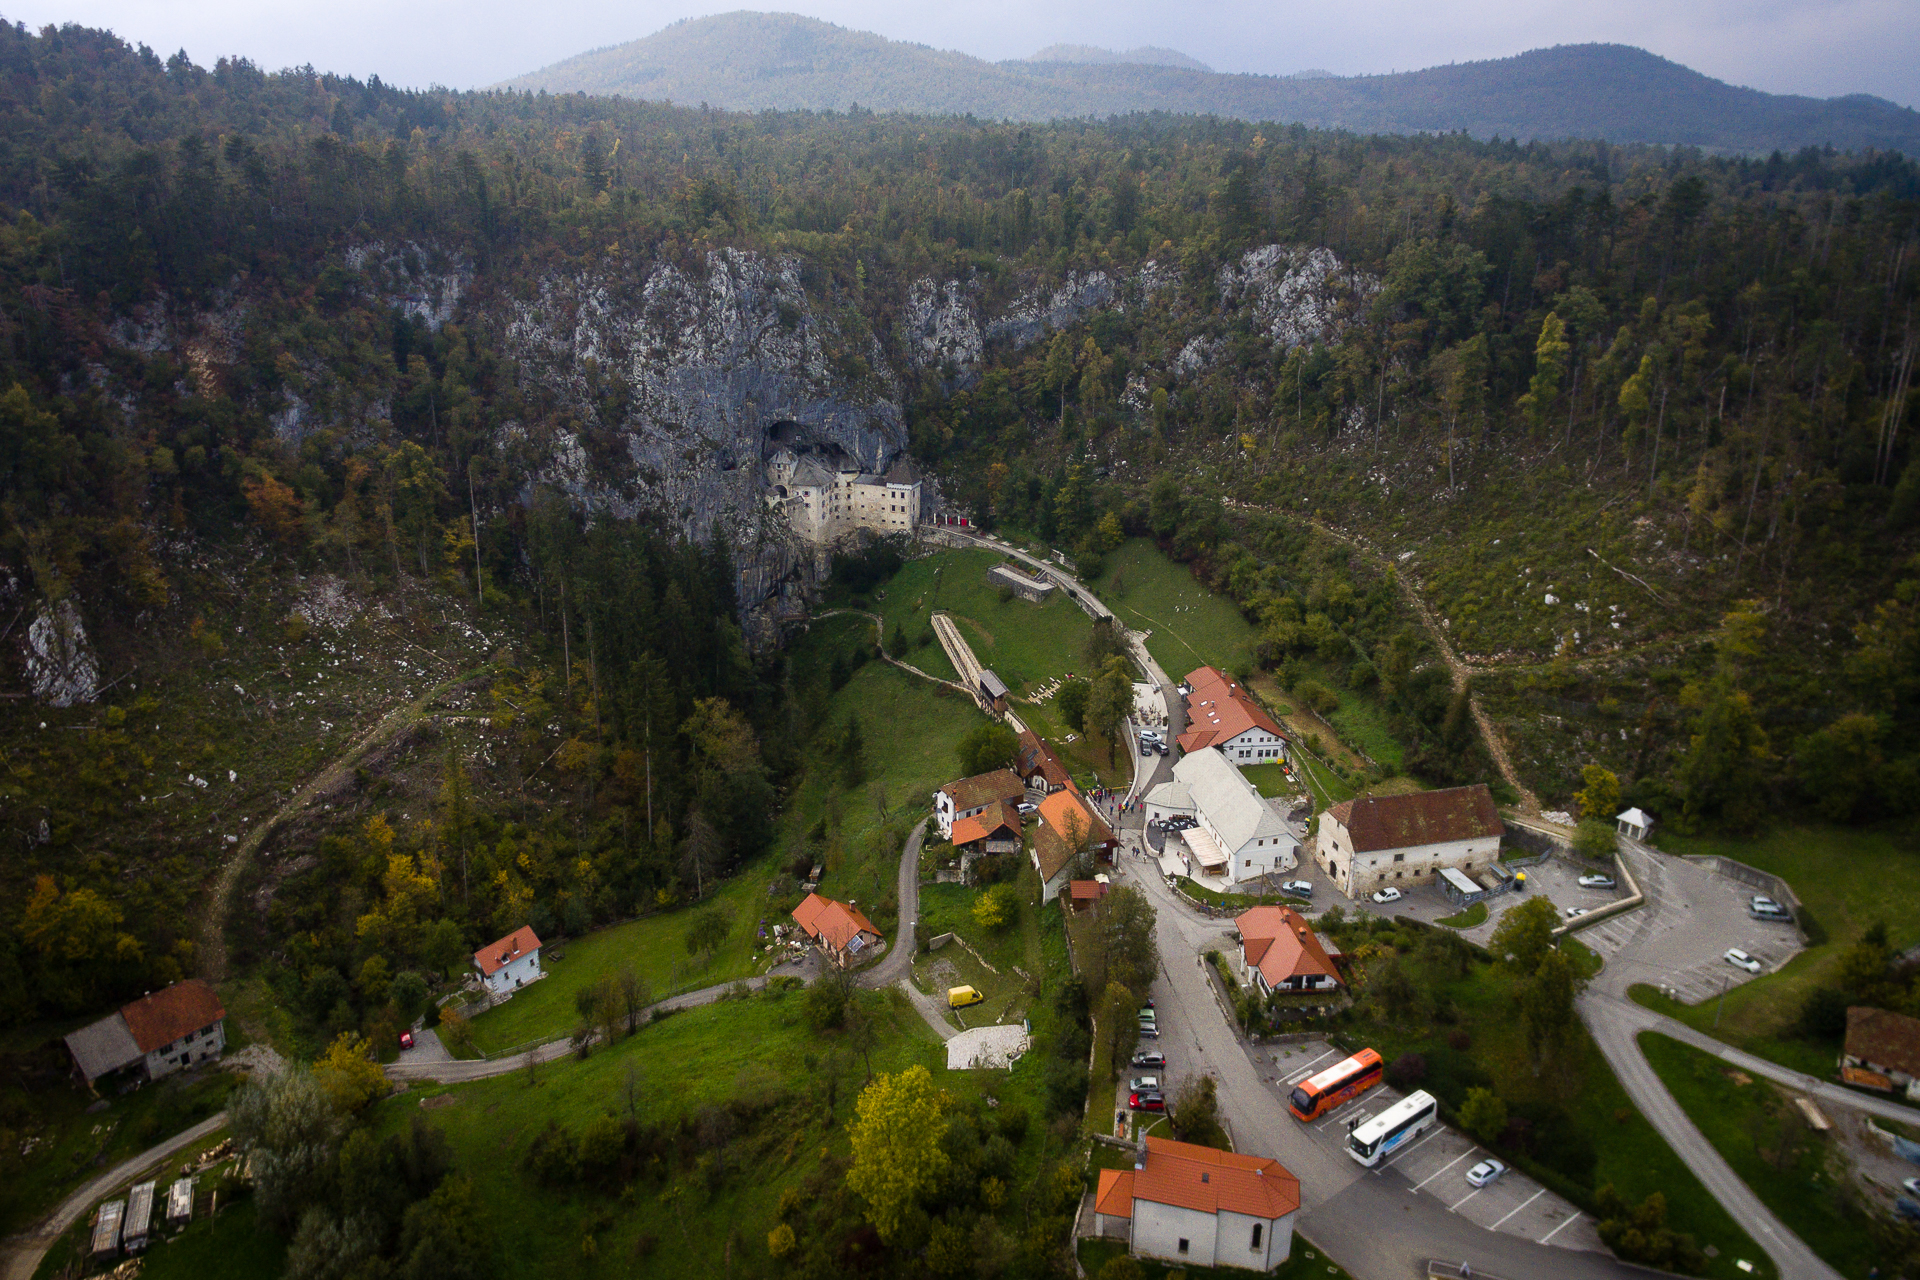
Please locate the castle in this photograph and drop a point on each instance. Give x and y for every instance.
(822, 504)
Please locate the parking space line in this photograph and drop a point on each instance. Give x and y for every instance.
(1557, 1230)
(1443, 1168)
(1356, 1116)
(1523, 1204)
(1455, 1206)
(1308, 1069)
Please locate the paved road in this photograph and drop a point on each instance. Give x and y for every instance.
(26, 1250)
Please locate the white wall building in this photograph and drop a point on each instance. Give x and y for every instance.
(1222, 715)
(180, 1026)
(1239, 836)
(975, 795)
(510, 963)
(1196, 1206)
(821, 504)
(1376, 842)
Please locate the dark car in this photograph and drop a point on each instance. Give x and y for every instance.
(1151, 1061)
(1147, 1102)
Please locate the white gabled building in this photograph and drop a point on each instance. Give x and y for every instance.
(971, 796)
(1223, 716)
(1198, 1207)
(1239, 836)
(1378, 842)
(510, 963)
(181, 1026)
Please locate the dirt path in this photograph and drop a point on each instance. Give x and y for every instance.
(213, 925)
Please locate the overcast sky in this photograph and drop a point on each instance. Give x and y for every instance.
(1819, 47)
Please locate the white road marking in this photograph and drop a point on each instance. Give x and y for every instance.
(1557, 1230)
(1443, 1168)
(1308, 1069)
(1455, 1206)
(1356, 1116)
(1523, 1204)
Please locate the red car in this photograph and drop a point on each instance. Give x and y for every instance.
(1147, 1102)
(406, 1039)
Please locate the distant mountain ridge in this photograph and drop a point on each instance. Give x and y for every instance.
(1092, 55)
(748, 61)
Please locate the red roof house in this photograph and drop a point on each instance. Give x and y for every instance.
(1223, 715)
(841, 931)
(1280, 952)
(1200, 1207)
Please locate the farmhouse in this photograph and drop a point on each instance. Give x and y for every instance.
(1279, 951)
(1237, 834)
(837, 928)
(1067, 825)
(1882, 1051)
(995, 829)
(969, 796)
(1221, 714)
(510, 963)
(158, 1033)
(1037, 765)
(1375, 841)
(1199, 1207)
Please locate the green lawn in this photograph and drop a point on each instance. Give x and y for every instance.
(1847, 879)
(1190, 625)
(1268, 779)
(1585, 1131)
(230, 1248)
(1474, 915)
(1021, 642)
(1085, 758)
(1328, 788)
(1757, 1130)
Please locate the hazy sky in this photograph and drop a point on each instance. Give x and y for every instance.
(1819, 47)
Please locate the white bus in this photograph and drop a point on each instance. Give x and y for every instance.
(1392, 1128)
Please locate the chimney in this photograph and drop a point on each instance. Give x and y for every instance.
(1140, 1153)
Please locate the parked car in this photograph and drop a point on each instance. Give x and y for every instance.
(961, 997)
(1486, 1171)
(1144, 1084)
(406, 1039)
(1026, 809)
(1147, 1102)
(1388, 894)
(1299, 888)
(1761, 902)
(1149, 1030)
(1150, 1060)
(1146, 748)
(1741, 960)
(1574, 913)
(1160, 747)
(1776, 914)
(1596, 882)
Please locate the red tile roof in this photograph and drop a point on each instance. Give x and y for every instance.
(1115, 1196)
(1885, 1039)
(1280, 943)
(1060, 814)
(1036, 758)
(165, 1016)
(496, 956)
(838, 923)
(1087, 890)
(985, 788)
(1219, 709)
(1193, 1177)
(995, 817)
(1424, 817)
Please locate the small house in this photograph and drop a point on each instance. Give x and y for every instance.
(995, 829)
(511, 963)
(1067, 826)
(841, 932)
(1221, 714)
(1194, 1206)
(160, 1033)
(992, 690)
(1633, 824)
(1279, 951)
(1882, 1051)
(970, 796)
(1082, 895)
(1037, 765)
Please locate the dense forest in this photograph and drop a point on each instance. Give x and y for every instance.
(1704, 363)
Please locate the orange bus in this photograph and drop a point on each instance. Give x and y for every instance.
(1342, 1082)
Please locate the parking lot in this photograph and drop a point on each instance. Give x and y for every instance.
(1555, 880)
(1437, 1162)
(1693, 916)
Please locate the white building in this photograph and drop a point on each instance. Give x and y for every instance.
(510, 963)
(1374, 842)
(1238, 836)
(1199, 1207)
(1633, 824)
(975, 795)
(1222, 715)
(180, 1026)
(821, 504)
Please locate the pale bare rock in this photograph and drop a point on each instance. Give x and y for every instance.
(60, 662)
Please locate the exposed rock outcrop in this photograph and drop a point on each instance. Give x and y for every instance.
(1299, 296)
(60, 662)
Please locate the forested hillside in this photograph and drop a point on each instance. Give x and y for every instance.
(1636, 424)
(756, 61)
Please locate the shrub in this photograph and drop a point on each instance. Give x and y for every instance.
(1407, 1071)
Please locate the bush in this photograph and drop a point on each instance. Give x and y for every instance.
(1407, 1071)
(1823, 1014)
(1318, 697)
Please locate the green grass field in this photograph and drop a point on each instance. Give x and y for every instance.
(1757, 1130)
(1847, 879)
(1587, 1113)
(1023, 643)
(1190, 625)
(1474, 915)
(229, 1248)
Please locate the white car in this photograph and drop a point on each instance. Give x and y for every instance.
(1596, 882)
(1486, 1171)
(1741, 960)
(1761, 902)
(1144, 1084)
(1388, 894)
(1298, 888)
(1574, 913)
